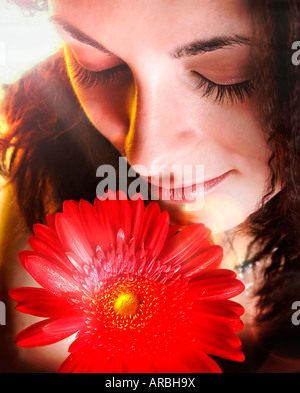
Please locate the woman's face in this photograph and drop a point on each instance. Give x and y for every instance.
(168, 82)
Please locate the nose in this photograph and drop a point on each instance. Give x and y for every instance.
(160, 128)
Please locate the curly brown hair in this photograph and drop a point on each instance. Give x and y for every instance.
(54, 150)
(275, 227)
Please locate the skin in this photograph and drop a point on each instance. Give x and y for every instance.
(152, 111)
(153, 107)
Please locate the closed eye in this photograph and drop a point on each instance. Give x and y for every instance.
(88, 79)
(231, 93)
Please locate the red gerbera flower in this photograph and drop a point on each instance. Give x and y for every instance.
(143, 296)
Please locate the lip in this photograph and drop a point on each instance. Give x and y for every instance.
(191, 193)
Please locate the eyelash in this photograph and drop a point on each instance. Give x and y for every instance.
(239, 91)
(87, 79)
(231, 93)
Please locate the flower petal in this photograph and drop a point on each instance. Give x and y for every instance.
(105, 221)
(151, 213)
(138, 364)
(79, 344)
(35, 336)
(92, 226)
(49, 251)
(221, 342)
(23, 256)
(50, 218)
(234, 306)
(124, 215)
(64, 326)
(49, 275)
(173, 229)
(72, 363)
(137, 214)
(47, 234)
(72, 237)
(92, 360)
(211, 313)
(198, 361)
(39, 302)
(206, 260)
(216, 285)
(185, 244)
(158, 236)
(115, 207)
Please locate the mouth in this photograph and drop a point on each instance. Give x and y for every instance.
(190, 193)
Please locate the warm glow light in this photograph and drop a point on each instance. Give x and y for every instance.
(1, 194)
(24, 41)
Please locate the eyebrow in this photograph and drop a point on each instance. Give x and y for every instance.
(78, 34)
(193, 49)
(210, 45)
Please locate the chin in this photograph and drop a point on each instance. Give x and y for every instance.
(219, 214)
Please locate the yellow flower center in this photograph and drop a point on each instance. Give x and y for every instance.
(127, 304)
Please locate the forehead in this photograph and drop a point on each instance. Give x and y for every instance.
(167, 22)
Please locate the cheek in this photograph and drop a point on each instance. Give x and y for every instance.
(236, 129)
(108, 114)
(236, 139)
